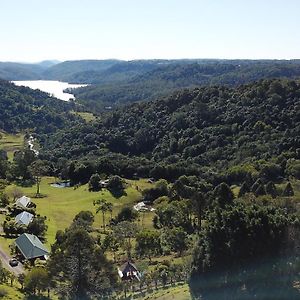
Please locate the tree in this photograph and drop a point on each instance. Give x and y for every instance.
(126, 214)
(38, 169)
(102, 205)
(4, 199)
(79, 267)
(271, 189)
(260, 191)
(148, 243)
(38, 226)
(176, 239)
(236, 243)
(244, 189)
(84, 219)
(37, 280)
(22, 160)
(199, 204)
(223, 194)
(288, 190)
(16, 193)
(94, 183)
(111, 242)
(125, 231)
(116, 183)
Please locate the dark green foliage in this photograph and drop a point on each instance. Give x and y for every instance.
(94, 183)
(84, 219)
(174, 214)
(154, 80)
(288, 190)
(255, 185)
(23, 108)
(37, 280)
(175, 239)
(79, 266)
(260, 190)
(244, 189)
(271, 189)
(148, 243)
(160, 189)
(126, 214)
(194, 132)
(223, 195)
(243, 244)
(116, 183)
(38, 226)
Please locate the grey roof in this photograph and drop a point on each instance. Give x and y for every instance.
(24, 218)
(23, 201)
(30, 246)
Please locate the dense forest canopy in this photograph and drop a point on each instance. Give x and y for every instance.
(220, 166)
(207, 128)
(121, 87)
(22, 108)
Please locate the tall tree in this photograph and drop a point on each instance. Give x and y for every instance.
(102, 205)
(38, 169)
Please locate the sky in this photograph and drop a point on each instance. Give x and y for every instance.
(36, 30)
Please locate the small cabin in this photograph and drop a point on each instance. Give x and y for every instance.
(129, 272)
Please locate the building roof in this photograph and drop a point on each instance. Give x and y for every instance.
(30, 246)
(129, 271)
(24, 218)
(23, 201)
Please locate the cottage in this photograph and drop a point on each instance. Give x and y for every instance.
(24, 218)
(23, 202)
(31, 247)
(129, 272)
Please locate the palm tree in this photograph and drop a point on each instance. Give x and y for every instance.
(102, 206)
(110, 209)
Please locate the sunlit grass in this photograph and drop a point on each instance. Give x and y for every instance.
(11, 143)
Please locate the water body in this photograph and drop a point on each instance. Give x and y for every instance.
(54, 88)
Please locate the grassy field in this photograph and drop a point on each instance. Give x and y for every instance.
(60, 205)
(13, 292)
(85, 115)
(178, 292)
(11, 142)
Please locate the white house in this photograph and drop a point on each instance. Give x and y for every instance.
(23, 201)
(24, 218)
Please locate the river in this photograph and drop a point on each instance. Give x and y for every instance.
(54, 88)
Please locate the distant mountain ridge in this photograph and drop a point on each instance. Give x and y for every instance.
(114, 82)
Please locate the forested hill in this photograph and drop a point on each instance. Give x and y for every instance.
(23, 108)
(214, 127)
(119, 85)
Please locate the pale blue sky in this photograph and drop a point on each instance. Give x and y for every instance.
(34, 30)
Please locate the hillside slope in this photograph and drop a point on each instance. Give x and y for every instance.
(164, 78)
(214, 127)
(22, 108)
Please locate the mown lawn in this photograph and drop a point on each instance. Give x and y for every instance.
(178, 292)
(60, 205)
(11, 143)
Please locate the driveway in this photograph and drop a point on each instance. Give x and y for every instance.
(5, 260)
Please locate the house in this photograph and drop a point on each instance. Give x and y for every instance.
(31, 247)
(129, 272)
(104, 183)
(24, 218)
(23, 202)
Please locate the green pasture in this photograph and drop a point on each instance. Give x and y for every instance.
(60, 205)
(11, 143)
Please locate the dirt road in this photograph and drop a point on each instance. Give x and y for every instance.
(5, 261)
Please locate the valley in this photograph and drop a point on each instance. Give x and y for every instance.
(174, 186)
